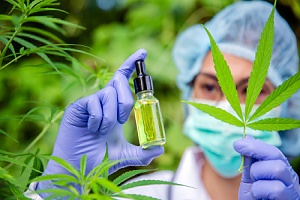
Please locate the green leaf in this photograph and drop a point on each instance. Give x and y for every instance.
(261, 64)
(217, 113)
(14, 3)
(14, 161)
(26, 162)
(83, 165)
(101, 169)
(108, 185)
(127, 175)
(42, 32)
(55, 177)
(278, 96)
(13, 154)
(224, 76)
(37, 38)
(31, 47)
(11, 47)
(275, 124)
(32, 111)
(46, 21)
(38, 166)
(7, 177)
(25, 43)
(5, 18)
(57, 193)
(106, 158)
(16, 191)
(47, 9)
(6, 134)
(64, 164)
(148, 182)
(141, 197)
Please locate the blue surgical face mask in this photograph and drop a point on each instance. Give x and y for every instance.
(216, 138)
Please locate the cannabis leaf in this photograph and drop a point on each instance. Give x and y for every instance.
(224, 76)
(261, 64)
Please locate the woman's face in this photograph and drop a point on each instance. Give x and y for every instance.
(205, 85)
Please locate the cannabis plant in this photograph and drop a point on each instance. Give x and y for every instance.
(255, 84)
(25, 31)
(96, 184)
(28, 30)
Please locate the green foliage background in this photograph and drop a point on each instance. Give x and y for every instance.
(113, 35)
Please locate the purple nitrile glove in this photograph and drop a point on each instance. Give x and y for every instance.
(267, 173)
(91, 122)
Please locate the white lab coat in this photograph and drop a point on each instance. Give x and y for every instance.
(188, 173)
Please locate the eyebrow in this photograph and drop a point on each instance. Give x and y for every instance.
(208, 75)
(212, 76)
(244, 80)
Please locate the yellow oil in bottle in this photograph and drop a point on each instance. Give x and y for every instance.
(149, 123)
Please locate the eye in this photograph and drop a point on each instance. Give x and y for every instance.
(209, 87)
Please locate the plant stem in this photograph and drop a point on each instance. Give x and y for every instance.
(45, 129)
(243, 158)
(15, 59)
(7, 45)
(42, 133)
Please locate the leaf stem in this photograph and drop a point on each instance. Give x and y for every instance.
(15, 59)
(243, 158)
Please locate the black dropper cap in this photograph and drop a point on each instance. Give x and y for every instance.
(142, 82)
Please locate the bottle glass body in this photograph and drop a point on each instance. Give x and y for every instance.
(149, 120)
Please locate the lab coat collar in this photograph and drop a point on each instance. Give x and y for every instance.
(189, 173)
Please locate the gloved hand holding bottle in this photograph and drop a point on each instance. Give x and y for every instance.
(267, 173)
(91, 122)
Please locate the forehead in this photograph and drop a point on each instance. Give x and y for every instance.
(240, 68)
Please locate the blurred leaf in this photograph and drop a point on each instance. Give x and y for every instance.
(83, 165)
(16, 4)
(16, 191)
(141, 197)
(42, 32)
(14, 161)
(7, 177)
(64, 164)
(26, 162)
(39, 168)
(148, 182)
(4, 133)
(101, 170)
(5, 18)
(29, 113)
(10, 46)
(107, 184)
(127, 175)
(55, 177)
(57, 193)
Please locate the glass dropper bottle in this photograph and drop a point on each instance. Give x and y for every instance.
(147, 110)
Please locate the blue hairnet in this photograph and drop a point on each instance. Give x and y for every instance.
(237, 30)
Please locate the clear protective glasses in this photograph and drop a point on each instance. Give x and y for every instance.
(206, 86)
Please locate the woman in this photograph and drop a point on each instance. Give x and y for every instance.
(211, 167)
